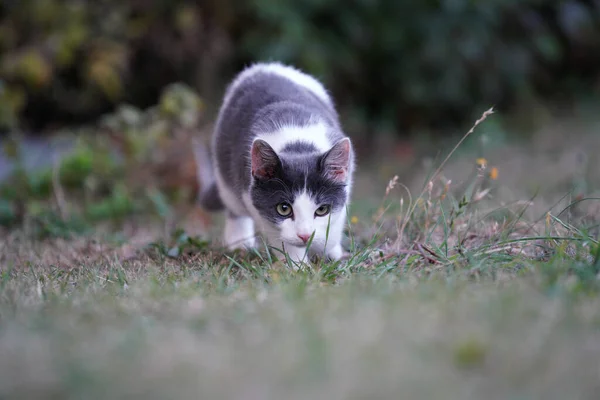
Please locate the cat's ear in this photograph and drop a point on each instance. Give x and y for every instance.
(336, 162)
(265, 163)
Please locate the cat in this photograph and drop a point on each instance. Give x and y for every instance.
(280, 163)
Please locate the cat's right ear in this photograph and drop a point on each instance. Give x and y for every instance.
(265, 163)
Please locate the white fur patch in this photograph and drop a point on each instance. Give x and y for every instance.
(315, 134)
(239, 233)
(285, 235)
(291, 73)
(304, 215)
(305, 222)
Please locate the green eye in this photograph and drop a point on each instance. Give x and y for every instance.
(322, 211)
(284, 209)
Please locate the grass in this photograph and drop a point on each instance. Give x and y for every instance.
(195, 327)
(446, 294)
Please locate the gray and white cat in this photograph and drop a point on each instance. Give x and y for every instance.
(281, 163)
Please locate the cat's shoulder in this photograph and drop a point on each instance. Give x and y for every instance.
(289, 72)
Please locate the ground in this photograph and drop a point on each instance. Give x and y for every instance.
(457, 290)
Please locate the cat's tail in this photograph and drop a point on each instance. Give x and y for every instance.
(208, 195)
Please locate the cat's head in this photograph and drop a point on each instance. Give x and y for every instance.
(299, 192)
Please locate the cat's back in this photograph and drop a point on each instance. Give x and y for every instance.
(265, 83)
(265, 97)
(261, 100)
(272, 92)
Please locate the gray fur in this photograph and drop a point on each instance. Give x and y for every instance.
(299, 147)
(261, 104)
(211, 200)
(295, 174)
(209, 197)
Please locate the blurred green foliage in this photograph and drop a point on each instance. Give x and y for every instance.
(134, 162)
(403, 64)
(433, 62)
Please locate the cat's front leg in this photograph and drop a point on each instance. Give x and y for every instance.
(239, 232)
(333, 248)
(335, 252)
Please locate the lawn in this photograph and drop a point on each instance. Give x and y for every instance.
(462, 286)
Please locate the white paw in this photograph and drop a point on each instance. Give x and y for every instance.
(335, 253)
(239, 233)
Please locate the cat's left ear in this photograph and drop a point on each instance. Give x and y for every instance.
(265, 163)
(336, 162)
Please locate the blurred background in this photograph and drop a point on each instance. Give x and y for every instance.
(392, 65)
(408, 78)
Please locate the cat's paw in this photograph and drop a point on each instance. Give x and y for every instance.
(240, 244)
(335, 253)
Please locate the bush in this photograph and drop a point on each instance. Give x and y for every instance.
(400, 63)
(432, 62)
(134, 162)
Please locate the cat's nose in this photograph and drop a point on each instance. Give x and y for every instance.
(304, 237)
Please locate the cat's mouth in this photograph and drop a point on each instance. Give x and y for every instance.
(294, 243)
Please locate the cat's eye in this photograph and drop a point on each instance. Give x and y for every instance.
(284, 209)
(322, 211)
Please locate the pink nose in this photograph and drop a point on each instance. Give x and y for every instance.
(304, 237)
